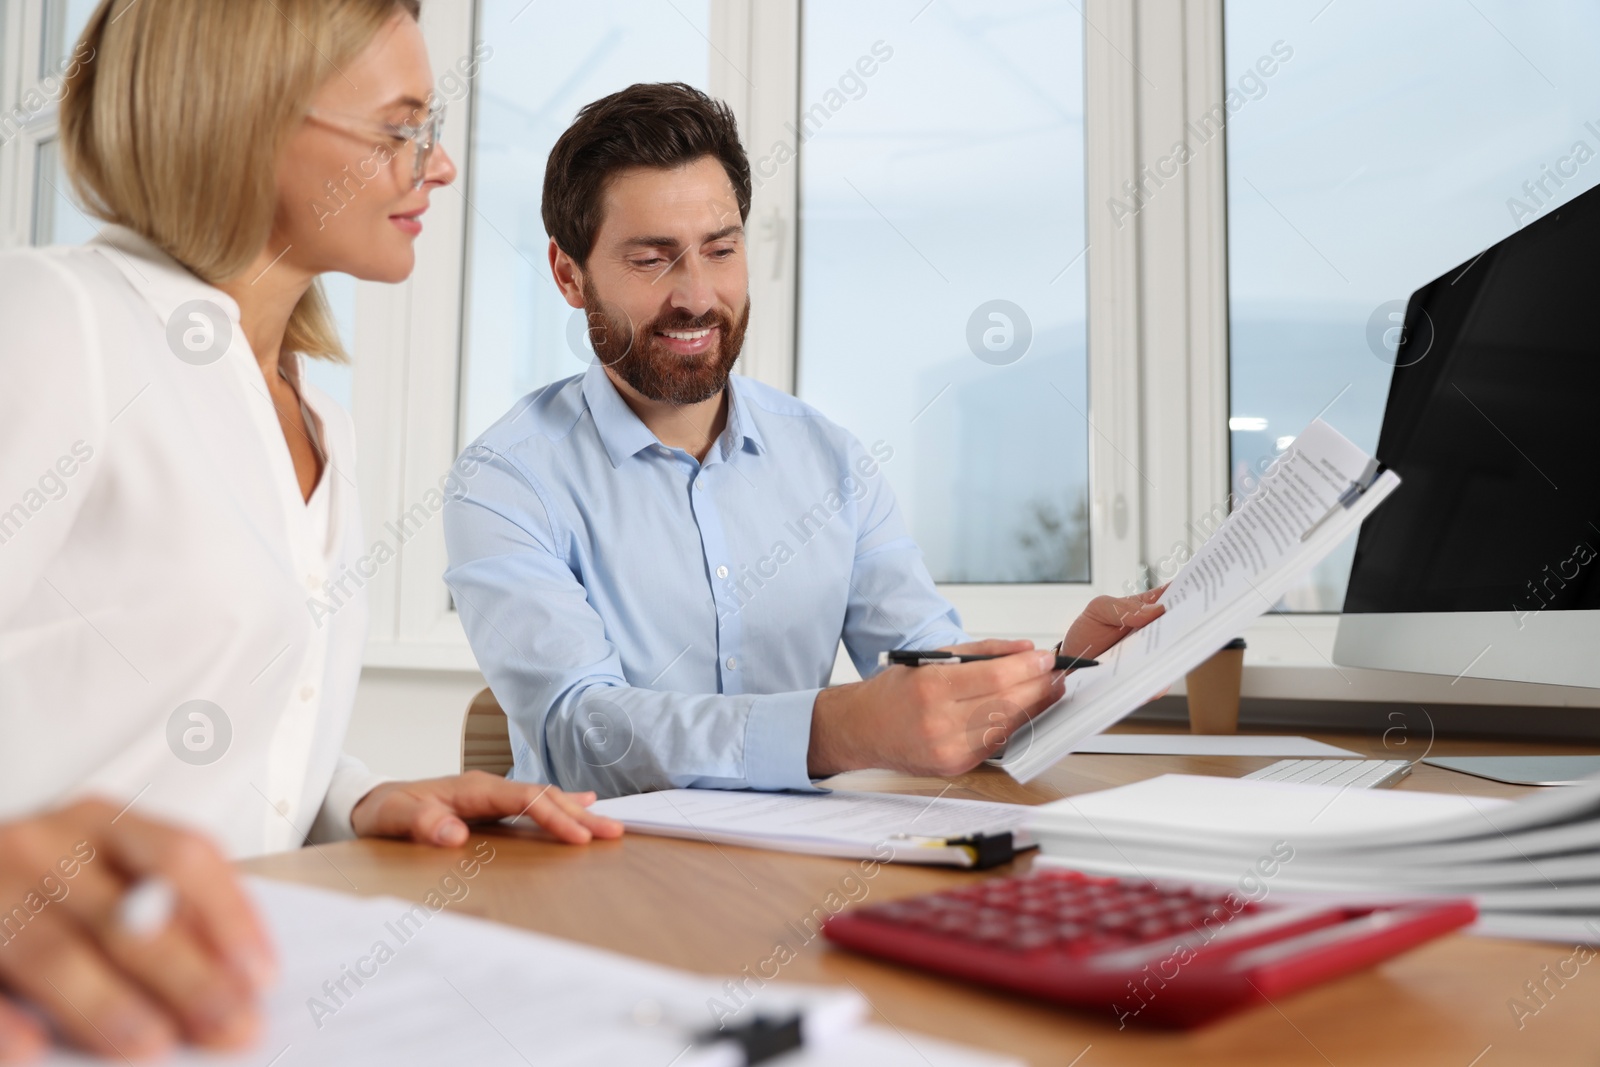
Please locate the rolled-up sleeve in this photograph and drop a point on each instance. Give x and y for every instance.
(575, 719)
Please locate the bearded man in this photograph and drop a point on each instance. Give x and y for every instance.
(656, 561)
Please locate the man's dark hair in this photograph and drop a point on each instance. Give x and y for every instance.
(660, 124)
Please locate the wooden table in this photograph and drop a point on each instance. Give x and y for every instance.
(721, 910)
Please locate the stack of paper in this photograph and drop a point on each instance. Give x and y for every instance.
(1532, 865)
(1302, 510)
(1211, 745)
(392, 982)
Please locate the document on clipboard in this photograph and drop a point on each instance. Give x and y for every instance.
(1312, 497)
(888, 827)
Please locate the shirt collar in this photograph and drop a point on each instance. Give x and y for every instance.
(742, 426)
(165, 283)
(624, 435)
(621, 431)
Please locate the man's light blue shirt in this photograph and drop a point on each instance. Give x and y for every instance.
(649, 621)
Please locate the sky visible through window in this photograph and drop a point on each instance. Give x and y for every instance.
(943, 265)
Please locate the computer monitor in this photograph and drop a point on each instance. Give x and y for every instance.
(1486, 561)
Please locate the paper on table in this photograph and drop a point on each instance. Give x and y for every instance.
(1255, 556)
(1209, 745)
(1562, 929)
(1203, 813)
(845, 824)
(448, 988)
(1209, 828)
(878, 1046)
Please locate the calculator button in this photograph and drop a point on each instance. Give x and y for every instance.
(1029, 940)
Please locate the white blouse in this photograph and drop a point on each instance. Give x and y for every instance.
(165, 633)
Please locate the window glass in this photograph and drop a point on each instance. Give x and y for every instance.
(57, 218)
(63, 23)
(335, 379)
(1373, 146)
(942, 274)
(545, 64)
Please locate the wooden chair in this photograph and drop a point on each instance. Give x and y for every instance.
(485, 737)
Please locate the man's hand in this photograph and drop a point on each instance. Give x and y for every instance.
(939, 719)
(1108, 619)
(115, 991)
(436, 811)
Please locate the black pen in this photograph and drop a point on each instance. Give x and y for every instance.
(910, 657)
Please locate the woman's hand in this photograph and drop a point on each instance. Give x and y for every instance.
(436, 811)
(119, 983)
(1108, 619)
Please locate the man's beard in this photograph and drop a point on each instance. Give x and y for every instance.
(642, 360)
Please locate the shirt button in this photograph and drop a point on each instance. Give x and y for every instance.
(312, 583)
(307, 692)
(283, 807)
(733, 664)
(722, 572)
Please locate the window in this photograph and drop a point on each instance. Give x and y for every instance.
(64, 22)
(28, 127)
(943, 266)
(1389, 143)
(519, 332)
(976, 340)
(917, 161)
(338, 379)
(57, 218)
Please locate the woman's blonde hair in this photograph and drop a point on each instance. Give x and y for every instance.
(173, 123)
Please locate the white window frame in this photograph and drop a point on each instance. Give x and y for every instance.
(21, 30)
(1157, 352)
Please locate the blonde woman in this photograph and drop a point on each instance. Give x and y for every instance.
(172, 492)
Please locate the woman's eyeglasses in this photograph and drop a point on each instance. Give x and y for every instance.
(422, 136)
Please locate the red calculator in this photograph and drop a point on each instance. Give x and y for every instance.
(1148, 952)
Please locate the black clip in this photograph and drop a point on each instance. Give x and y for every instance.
(1353, 492)
(761, 1039)
(987, 850)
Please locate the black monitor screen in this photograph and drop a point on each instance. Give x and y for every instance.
(1493, 424)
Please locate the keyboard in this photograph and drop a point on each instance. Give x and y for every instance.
(1351, 773)
(1152, 952)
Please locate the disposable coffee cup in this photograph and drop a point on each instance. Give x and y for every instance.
(1213, 691)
